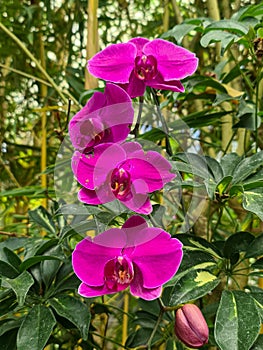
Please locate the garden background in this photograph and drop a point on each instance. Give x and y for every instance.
(215, 207)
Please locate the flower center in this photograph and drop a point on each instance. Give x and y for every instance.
(118, 271)
(92, 132)
(145, 67)
(120, 183)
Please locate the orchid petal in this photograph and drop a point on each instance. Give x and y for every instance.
(90, 292)
(135, 87)
(101, 195)
(138, 290)
(148, 170)
(139, 203)
(139, 42)
(158, 259)
(89, 259)
(172, 85)
(174, 62)
(114, 63)
(92, 170)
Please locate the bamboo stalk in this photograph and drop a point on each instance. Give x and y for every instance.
(43, 92)
(125, 317)
(92, 41)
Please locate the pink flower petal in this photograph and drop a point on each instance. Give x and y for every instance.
(172, 85)
(138, 290)
(89, 259)
(139, 203)
(133, 150)
(139, 43)
(90, 292)
(105, 118)
(101, 195)
(92, 170)
(136, 229)
(114, 63)
(135, 87)
(158, 259)
(154, 170)
(173, 62)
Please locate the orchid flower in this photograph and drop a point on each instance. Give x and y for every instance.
(105, 118)
(136, 256)
(140, 62)
(121, 171)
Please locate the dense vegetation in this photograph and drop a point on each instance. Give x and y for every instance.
(212, 137)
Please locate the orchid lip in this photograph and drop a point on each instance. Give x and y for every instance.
(118, 271)
(120, 183)
(145, 67)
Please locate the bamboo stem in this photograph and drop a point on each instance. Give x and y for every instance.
(125, 317)
(92, 41)
(43, 92)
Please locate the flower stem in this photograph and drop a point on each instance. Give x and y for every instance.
(135, 130)
(149, 343)
(163, 121)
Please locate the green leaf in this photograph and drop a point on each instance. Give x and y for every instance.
(12, 258)
(247, 167)
(229, 163)
(248, 121)
(223, 185)
(253, 201)
(7, 270)
(258, 345)
(179, 31)
(196, 243)
(237, 242)
(73, 310)
(21, 286)
(140, 338)
(228, 25)
(225, 38)
(35, 260)
(36, 328)
(237, 321)
(8, 340)
(255, 248)
(193, 285)
(49, 268)
(42, 217)
(8, 325)
(258, 264)
(7, 301)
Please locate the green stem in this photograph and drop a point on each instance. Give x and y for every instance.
(229, 142)
(149, 343)
(135, 131)
(163, 121)
(38, 65)
(256, 110)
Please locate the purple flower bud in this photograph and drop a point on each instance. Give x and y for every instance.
(190, 326)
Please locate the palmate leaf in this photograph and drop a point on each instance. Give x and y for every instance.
(73, 310)
(237, 321)
(253, 201)
(192, 285)
(36, 328)
(42, 217)
(20, 285)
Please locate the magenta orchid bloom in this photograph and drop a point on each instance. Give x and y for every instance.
(124, 172)
(105, 118)
(140, 62)
(136, 255)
